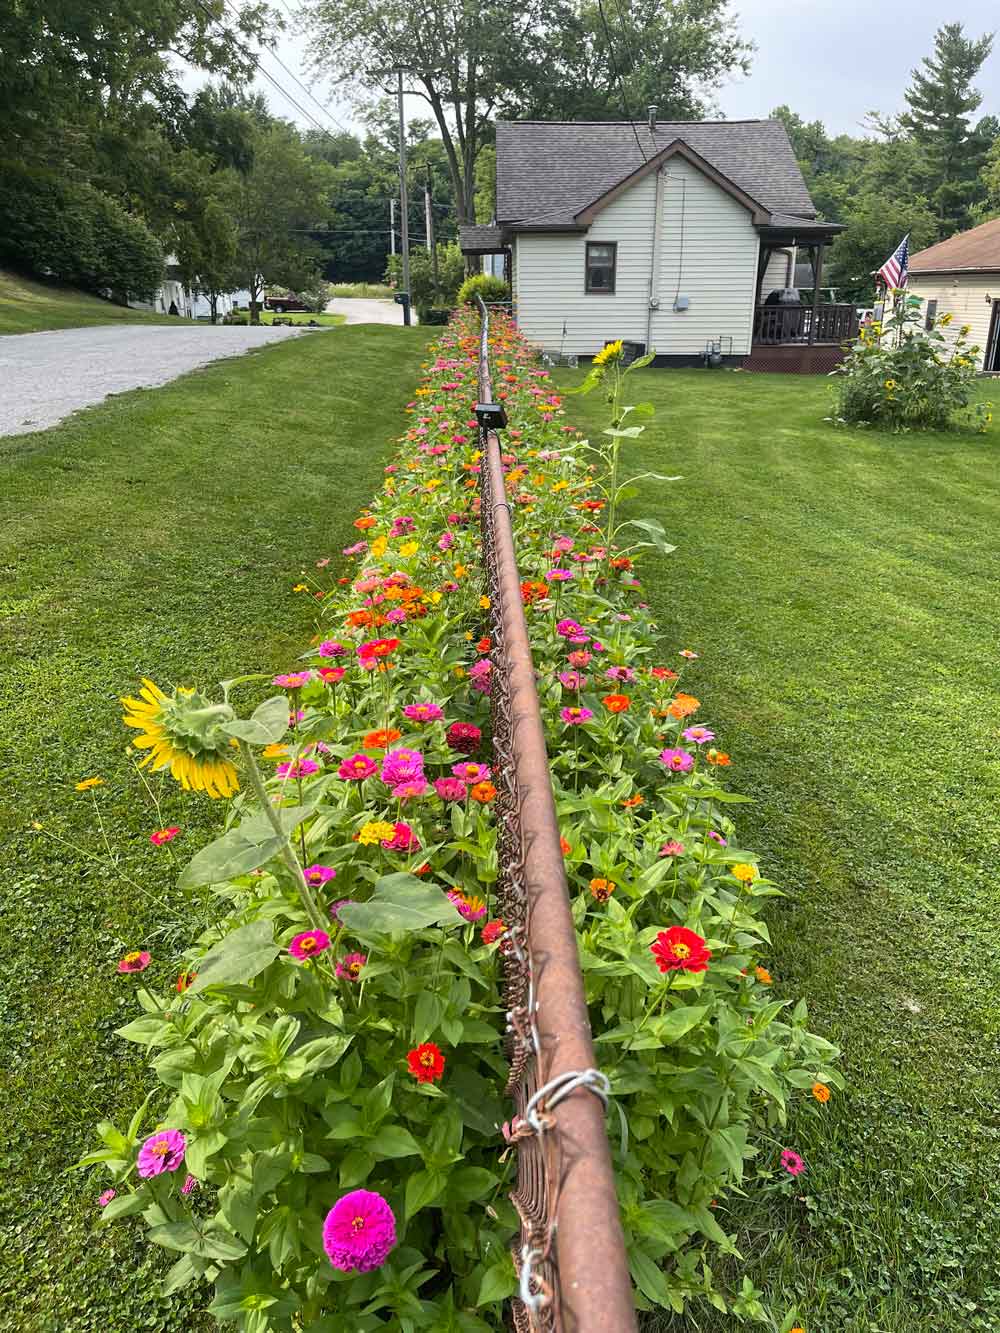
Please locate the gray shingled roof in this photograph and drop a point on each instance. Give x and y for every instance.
(550, 170)
(479, 239)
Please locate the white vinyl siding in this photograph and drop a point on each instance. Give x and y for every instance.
(551, 278)
(963, 296)
(716, 268)
(780, 271)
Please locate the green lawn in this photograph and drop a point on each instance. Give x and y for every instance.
(299, 317)
(843, 588)
(29, 306)
(159, 534)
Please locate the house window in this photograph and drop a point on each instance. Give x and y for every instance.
(931, 315)
(601, 260)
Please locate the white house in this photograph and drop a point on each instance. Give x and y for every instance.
(961, 277)
(191, 303)
(672, 236)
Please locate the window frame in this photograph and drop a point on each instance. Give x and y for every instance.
(600, 291)
(930, 314)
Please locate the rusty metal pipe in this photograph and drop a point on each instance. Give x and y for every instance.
(593, 1292)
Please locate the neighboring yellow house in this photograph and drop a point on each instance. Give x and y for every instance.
(961, 277)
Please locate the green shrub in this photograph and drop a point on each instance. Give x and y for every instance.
(905, 377)
(72, 232)
(484, 285)
(423, 292)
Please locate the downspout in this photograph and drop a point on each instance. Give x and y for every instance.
(653, 303)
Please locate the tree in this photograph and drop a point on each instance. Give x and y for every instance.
(940, 102)
(279, 203)
(473, 59)
(990, 206)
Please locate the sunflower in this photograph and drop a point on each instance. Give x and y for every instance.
(183, 732)
(609, 354)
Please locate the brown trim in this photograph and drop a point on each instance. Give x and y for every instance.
(678, 148)
(600, 291)
(952, 272)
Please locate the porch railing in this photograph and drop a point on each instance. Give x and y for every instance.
(572, 1269)
(776, 324)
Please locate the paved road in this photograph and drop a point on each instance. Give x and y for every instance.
(46, 376)
(362, 310)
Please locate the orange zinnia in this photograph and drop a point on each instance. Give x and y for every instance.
(718, 757)
(358, 618)
(483, 792)
(683, 705)
(616, 703)
(364, 523)
(632, 801)
(379, 740)
(821, 1092)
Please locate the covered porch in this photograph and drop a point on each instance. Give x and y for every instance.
(797, 338)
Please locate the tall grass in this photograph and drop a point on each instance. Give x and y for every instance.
(369, 290)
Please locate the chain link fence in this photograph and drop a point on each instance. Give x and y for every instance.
(571, 1264)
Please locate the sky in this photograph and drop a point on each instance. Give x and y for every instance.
(829, 60)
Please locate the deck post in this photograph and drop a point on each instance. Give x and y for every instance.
(817, 280)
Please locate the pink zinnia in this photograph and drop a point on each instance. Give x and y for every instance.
(106, 1197)
(163, 835)
(620, 673)
(292, 680)
(331, 648)
(471, 772)
(480, 675)
(573, 717)
(399, 766)
(699, 735)
(403, 840)
(717, 837)
(792, 1162)
(671, 848)
(308, 944)
(359, 1232)
(406, 791)
(190, 1183)
(357, 767)
(557, 575)
(162, 1152)
(571, 679)
(423, 712)
(332, 675)
(349, 967)
(135, 962)
(335, 907)
(451, 789)
(580, 658)
(568, 628)
(301, 768)
(317, 875)
(676, 760)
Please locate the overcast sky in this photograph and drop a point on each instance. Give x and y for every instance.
(831, 60)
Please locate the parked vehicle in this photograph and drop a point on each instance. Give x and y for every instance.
(282, 304)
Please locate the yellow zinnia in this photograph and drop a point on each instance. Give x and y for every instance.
(744, 872)
(87, 783)
(183, 733)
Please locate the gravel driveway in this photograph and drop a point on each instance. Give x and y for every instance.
(46, 376)
(364, 310)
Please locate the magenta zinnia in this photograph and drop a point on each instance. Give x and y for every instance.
(317, 875)
(135, 962)
(359, 1232)
(349, 967)
(676, 760)
(162, 1152)
(423, 712)
(308, 944)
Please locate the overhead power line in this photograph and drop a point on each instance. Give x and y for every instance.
(617, 73)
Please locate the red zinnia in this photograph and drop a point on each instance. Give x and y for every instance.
(678, 949)
(426, 1062)
(163, 835)
(493, 930)
(464, 737)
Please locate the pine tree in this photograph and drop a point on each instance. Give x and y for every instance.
(941, 100)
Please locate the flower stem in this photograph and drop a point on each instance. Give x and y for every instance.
(287, 850)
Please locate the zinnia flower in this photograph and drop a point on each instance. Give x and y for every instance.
(616, 703)
(602, 889)
(331, 648)
(332, 675)
(359, 1232)
(471, 908)
(492, 931)
(483, 792)
(683, 705)
(688, 654)
(714, 756)
(671, 848)
(763, 976)
(676, 760)
(792, 1162)
(571, 680)
(699, 735)
(301, 768)
(184, 980)
(464, 737)
(743, 872)
(106, 1197)
(399, 766)
(821, 1092)
(349, 967)
(335, 907)
(293, 680)
(163, 835)
(557, 575)
(375, 831)
(574, 717)
(403, 839)
(379, 740)
(164, 1151)
(678, 949)
(317, 875)
(183, 732)
(423, 712)
(190, 1183)
(358, 767)
(135, 962)
(308, 944)
(426, 1062)
(471, 772)
(451, 789)
(89, 783)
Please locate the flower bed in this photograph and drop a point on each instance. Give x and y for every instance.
(327, 1146)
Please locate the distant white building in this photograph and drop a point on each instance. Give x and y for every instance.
(961, 277)
(188, 302)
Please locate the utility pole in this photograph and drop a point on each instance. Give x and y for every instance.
(429, 227)
(404, 231)
(392, 226)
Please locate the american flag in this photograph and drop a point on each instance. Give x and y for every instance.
(893, 272)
